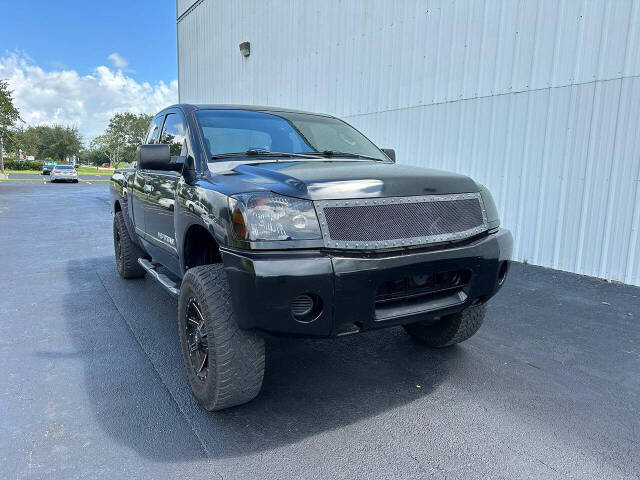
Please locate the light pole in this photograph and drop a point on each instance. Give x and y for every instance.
(2, 174)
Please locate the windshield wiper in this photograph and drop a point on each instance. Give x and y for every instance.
(336, 153)
(255, 152)
(258, 152)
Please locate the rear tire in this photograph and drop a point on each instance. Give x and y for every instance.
(126, 252)
(224, 364)
(450, 329)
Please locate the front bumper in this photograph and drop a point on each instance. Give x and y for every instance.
(264, 284)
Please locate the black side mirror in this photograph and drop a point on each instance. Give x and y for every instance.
(391, 153)
(158, 157)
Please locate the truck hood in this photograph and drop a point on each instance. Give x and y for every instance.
(328, 180)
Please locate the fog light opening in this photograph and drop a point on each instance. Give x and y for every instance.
(502, 272)
(306, 307)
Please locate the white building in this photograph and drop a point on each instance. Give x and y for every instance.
(539, 100)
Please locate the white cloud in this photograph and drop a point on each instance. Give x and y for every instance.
(86, 101)
(118, 60)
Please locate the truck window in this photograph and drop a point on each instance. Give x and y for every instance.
(154, 129)
(173, 133)
(233, 131)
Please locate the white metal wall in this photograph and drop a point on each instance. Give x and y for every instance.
(539, 100)
(182, 6)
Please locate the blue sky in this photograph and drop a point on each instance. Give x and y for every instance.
(78, 62)
(80, 35)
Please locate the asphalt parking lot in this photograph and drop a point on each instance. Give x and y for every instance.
(92, 382)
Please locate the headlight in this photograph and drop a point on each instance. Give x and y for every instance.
(493, 219)
(268, 216)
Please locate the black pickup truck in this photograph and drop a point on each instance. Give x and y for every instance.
(273, 221)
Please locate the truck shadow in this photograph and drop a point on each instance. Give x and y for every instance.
(138, 391)
(316, 386)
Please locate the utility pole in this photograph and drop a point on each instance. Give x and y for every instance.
(2, 174)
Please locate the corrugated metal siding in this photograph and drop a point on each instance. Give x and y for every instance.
(539, 100)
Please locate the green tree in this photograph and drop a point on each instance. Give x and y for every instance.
(34, 139)
(9, 115)
(57, 141)
(29, 140)
(93, 157)
(123, 135)
(14, 140)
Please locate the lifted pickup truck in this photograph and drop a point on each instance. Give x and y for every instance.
(266, 220)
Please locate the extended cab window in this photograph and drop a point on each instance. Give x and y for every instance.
(154, 129)
(174, 133)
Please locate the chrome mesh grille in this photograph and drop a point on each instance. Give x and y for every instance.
(400, 221)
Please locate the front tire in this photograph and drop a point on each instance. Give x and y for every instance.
(450, 329)
(126, 252)
(224, 364)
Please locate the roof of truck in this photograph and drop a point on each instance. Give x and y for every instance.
(254, 108)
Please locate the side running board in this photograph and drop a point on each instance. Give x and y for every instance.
(169, 285)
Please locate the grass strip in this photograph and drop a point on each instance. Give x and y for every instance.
(21, 180)
(40, 180)
(23, 172)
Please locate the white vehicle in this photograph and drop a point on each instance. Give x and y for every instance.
(196, 207)
(64, 172)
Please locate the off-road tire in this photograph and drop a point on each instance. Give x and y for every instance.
(127, 257)
(235, 357)
(450, 329)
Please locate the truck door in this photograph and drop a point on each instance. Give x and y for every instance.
(161, 187)
(139, 193)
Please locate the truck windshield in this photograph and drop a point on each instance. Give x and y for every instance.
(239, 131)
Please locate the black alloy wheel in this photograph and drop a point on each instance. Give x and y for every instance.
(224, 363)
(197, 339)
